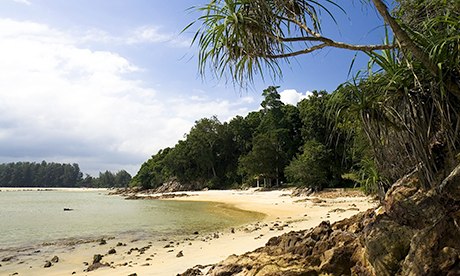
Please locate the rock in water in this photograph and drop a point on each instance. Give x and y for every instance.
(55, 259)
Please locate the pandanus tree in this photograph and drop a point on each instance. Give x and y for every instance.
(244, 38)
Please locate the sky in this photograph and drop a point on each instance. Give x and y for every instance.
(108, 83)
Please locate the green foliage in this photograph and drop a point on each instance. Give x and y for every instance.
(266, 159)
(109, 179)
(152, 172)
(258, 146)
(31, 174)
(311, 168)
(247, 38)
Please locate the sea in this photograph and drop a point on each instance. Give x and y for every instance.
(31, 217)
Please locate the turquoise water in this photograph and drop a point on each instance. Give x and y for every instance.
(32, 217)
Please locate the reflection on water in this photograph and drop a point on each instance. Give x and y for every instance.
(30, 217)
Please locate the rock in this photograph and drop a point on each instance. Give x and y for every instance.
(102, 242)
(133, 274)
(232, 230)
(68, 209)
(96, 266)
(195, 233)
(215, 236)
(55, 259)
(180, 254)
(112, 251)
(132, 197)
(447, 258)
(302, 192)
(386, 245)
(317, 200)
(7, 259)
(449, 187)
(47, 264)
(97, 258)
(121, 244)
(191, 272)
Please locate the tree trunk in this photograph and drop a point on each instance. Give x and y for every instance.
(213, 171)
(407, 43)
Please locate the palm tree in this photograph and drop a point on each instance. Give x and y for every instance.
(414, 98)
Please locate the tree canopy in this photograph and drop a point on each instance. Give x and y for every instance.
(260, 146)
(407, 100)
(44, 174)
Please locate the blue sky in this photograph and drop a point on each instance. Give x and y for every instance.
(107, 83)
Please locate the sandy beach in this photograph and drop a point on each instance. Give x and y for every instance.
(173, 255)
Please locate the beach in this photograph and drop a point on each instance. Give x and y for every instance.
(172, 255)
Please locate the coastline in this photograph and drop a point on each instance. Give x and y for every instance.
(169, 256)
(45, 189)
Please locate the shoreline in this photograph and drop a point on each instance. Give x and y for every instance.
(169, 256)
(47, 189)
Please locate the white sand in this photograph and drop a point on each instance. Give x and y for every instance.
(201, 249)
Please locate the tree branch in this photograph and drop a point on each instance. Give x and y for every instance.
(329, 42)
(326, 42)
(296, 53)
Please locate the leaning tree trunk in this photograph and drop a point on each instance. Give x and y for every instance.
(409, 44)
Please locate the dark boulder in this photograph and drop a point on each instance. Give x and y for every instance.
(47, 264)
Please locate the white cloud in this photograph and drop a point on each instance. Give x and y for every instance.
(140, 35)
(25, 2)
(65, 103)
(292, 97)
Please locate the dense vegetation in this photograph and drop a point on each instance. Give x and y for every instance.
(107, 179)
(31, 174)
(398, 116)
(278, 144)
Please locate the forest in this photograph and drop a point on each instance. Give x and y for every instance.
(32, 174)
(278, 145)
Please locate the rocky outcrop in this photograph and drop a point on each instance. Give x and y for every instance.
(97, 263)
(166, 189)
(415, 232)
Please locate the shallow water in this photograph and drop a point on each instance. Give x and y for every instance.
(32, 217)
